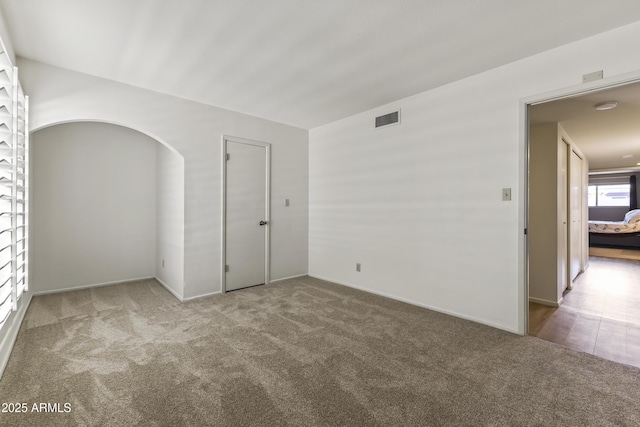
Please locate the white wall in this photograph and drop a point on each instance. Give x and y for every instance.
(548, 266)
(169, 268)
(289, 225)
(419, 204)
(93, 206)
(195, 132)
(6, 40)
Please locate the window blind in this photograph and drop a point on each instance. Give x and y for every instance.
(610, 179)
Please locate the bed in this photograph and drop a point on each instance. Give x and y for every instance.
(630, 226)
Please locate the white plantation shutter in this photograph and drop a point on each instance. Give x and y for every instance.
(20, 162)
(14, 145)
(6, 188)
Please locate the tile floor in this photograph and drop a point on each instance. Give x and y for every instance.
(600, 315)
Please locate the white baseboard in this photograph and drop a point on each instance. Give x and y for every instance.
(219, 292)
(182, 299)
(546, 301)
(419, 304)
(95, 285)
(287, 278)
(201, 296)
(171, 291)
(6, 346)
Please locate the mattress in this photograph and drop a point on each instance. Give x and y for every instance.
(631, 224)
(613, 227)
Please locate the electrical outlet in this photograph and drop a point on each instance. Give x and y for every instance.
(286, 202)
(162, 263)
(358, 267)
(506, 194)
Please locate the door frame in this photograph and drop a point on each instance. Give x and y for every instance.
(581, 236)
(223, 213)
(567, 92)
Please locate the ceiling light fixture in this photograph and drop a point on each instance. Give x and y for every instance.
(627, 156)
(607, 105)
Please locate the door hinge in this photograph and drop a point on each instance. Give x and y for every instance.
(525, 231)
(226, 268)
(228, 156)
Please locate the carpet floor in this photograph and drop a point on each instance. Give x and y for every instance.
(301, 352)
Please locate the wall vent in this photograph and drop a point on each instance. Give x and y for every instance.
(388, 119)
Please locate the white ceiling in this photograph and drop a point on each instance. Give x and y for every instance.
(300, 62)
(603, 136)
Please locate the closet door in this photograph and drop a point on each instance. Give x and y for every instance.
(575, 214)
(563, 198)
(246, 214)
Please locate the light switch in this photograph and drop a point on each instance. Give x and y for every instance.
(286, 202)
(506, 194)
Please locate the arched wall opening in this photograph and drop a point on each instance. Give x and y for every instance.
(106, 206)
(108, 122)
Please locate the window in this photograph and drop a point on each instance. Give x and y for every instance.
(609, 195)
(14, 145)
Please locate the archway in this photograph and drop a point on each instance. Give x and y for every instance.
(107, 206)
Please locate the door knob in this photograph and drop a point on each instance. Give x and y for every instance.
(263, 223)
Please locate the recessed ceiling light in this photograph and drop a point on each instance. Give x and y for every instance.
(627, 156)
(607, 105)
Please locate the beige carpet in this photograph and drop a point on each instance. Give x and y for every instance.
(302, 353)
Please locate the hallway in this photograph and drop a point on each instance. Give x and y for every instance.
(600, 315)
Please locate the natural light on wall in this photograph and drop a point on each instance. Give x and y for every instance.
(14, 145)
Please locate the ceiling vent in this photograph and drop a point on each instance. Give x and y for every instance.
(388, 119)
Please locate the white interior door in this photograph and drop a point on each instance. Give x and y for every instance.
(246, 214)
(575, 214)
(563, 245)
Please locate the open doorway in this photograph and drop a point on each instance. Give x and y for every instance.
(593, 306)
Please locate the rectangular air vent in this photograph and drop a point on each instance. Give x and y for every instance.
(388, 119)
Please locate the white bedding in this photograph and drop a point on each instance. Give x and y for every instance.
(631, 224)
